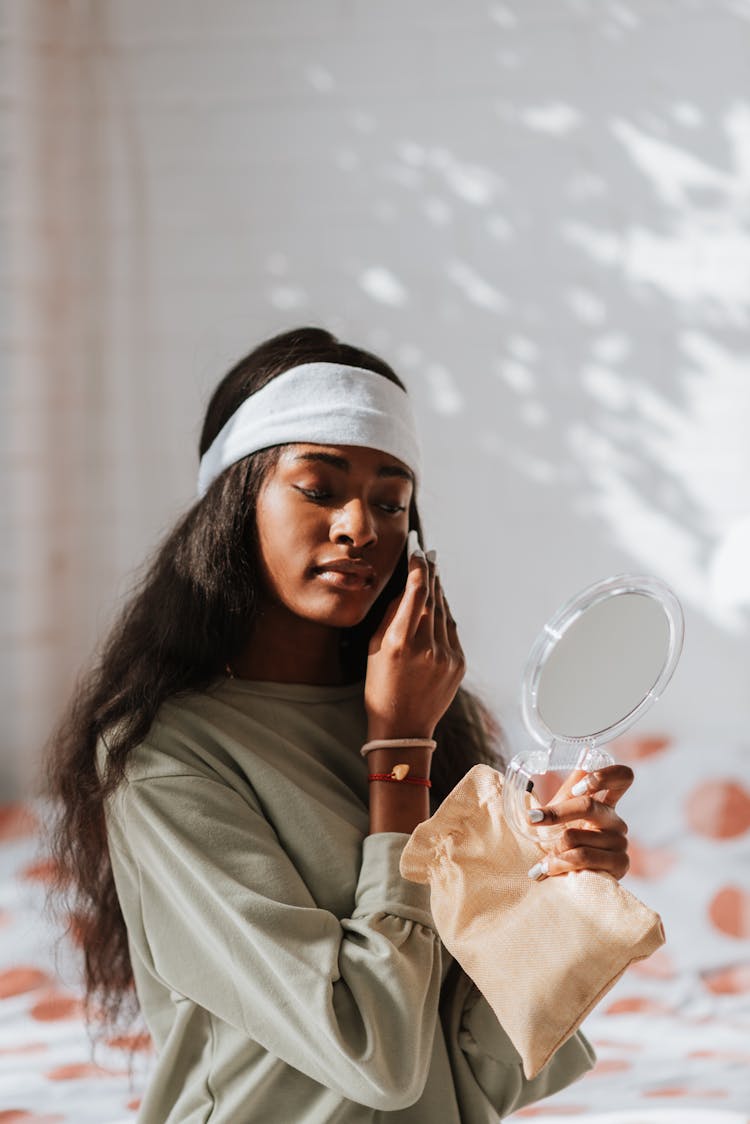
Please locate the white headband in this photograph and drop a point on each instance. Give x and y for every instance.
(319, 404)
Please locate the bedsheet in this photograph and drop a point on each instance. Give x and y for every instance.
(672, 1036)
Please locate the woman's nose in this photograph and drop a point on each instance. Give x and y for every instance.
(354, 523)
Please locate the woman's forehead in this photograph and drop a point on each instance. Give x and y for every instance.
(346, 458)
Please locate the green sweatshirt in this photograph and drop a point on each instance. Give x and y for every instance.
(287, 972)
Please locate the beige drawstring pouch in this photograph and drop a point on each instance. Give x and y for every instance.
(541, 953)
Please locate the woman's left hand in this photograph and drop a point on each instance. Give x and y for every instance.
(594, 835)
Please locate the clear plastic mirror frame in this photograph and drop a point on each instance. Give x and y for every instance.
(564, 619)
(560, 753)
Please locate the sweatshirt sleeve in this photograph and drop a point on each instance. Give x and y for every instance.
(229, 923)
(489, 1060)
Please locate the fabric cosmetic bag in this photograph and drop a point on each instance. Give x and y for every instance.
(542, 953)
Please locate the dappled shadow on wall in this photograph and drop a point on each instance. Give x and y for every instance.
(582, 214)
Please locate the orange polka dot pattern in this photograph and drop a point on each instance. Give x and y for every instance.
(47, 1072)
(672, 1037)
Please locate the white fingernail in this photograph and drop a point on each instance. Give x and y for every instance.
(580, 788)
(431, 556)
(535, 815)
(539, 870)
(412, 545)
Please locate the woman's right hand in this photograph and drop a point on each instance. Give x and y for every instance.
(415, 661)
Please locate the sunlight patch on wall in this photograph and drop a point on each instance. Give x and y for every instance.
(700, 263)
(287, 297)
(586, 306)
(556, 118)
(470, 182)
(363, 122)
(383, 286)
(584, 186)
(445, 396)
(706, 444)
(500, 227)
(688, 114)
(704, 255)
(612, 347)
(729, 572)
(609, 388)
(408, 355)
(672, 171)
(437, 211)
(473, 183)
(658, 541)
(522, 348)
(533, 414)
(534, 468)
(503, 16)
(667, 468)
(476, 289)
(516, 375)
(320, 79)
(693, 521)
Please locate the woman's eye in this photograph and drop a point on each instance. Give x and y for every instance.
(315, 494)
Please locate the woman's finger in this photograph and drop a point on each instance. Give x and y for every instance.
(607, 784)
(578, 808)
(441, 616)
(611, 862)
(410, 608)
(612, 781)
(452, 629)
(425, 630)
(574, 837)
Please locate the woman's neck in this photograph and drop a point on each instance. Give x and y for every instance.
(287, 649)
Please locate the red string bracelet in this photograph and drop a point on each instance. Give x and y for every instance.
(400, 780)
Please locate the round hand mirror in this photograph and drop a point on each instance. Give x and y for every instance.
(595, 668)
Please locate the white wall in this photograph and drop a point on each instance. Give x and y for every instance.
(538, 212)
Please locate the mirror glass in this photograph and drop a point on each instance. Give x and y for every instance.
(601, 661)
(597, 665)
(603, 666)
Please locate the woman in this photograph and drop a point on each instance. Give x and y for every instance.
(233, 856)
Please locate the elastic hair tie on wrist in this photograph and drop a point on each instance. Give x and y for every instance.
(397, 743)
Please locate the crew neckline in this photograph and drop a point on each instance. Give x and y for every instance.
(305, 692)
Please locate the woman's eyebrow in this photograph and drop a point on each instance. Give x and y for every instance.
(343, 463)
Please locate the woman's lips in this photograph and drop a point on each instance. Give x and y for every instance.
(347, 579)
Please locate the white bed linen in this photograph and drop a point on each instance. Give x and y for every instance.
(673, 1036)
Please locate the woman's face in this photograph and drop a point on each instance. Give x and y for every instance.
(332, 523)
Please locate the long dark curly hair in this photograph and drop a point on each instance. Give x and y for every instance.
(190, 612)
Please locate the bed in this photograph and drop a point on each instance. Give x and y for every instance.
(672, 1037)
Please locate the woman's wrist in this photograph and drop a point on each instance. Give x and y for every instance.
(397, 805)
(383, 759)
(379, 731)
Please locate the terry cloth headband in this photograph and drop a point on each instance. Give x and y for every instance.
(319, 404)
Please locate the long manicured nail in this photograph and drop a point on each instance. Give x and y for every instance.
(581, 787)
(539, 870)
(535, 815)
(412, 545)
(432, 556)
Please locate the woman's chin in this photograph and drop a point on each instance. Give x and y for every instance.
(346, 614)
